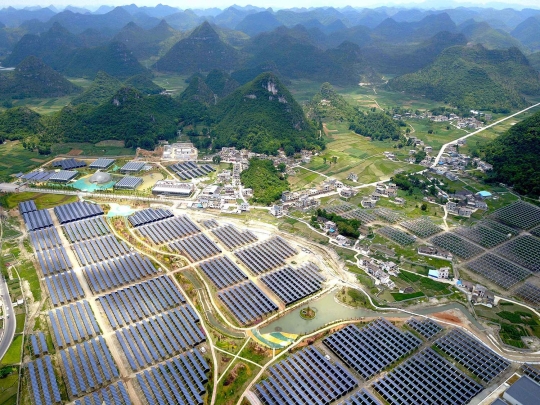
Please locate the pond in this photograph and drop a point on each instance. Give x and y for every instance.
(329, 310)
(85, 185)
(118, 210)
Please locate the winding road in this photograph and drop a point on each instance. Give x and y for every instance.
(10, 322)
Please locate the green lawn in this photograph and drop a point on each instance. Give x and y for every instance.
(90, 149)
(174, 83)
(16, 159)
(8, 388)
(13, 355)
(20, 322)
(42, 200)
(403, 297)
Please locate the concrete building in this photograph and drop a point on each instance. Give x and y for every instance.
(523, 392)
(180, 151)
(173, 188)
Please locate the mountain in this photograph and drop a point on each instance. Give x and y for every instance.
(198, 92)
(263, 116)
(102, 88)
(474, 77)
(534, 59)
(184, 20)
(483, 33)
(144, 84)
(113, 58)
(392, 31)
(146, 43)
(12, 17)
(221, 83)
(359, 35)
(232, 16)
(55, 47)
(33, 78)
(254, 24)
(329, 105)
(514, 156)
(202, 51)
(128, 115)
(528, 33)
(18, 122)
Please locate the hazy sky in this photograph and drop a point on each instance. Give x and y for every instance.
(183, 4)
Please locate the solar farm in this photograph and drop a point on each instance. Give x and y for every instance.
(529, 293)
(482, 235)
(522, 250)
(191, 170)
(498, 270)
(457, 245)
(518, 215)
(426, 327)
(397, 236)
(421, 227)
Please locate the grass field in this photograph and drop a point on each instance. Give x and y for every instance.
(28, 272)
(17, 159)
(104, 148)
(8, 388)
(173, 83)
(13, 355)
(42, 200)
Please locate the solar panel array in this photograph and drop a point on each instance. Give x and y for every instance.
(128, 183)
(247, 302)
(67, 164)
(472, 354)
(149, 215)
(421, 227)
(501, 228)
(530, 293)
(483, 235)
(232, 238)
(64, 288)
(27, 206)
(428, 379)
(291, 285)
(426, 327)
(520, 214)
(73, 323)
(37, 220)
(44, 386)
(169, 229)
(531, 371)
(210, 223)
(371, 349)
(76, 211)
(456, 245)
(88, 366)
(159, 338)
(38, 175)
(118, 271)
(306, 377)
(500, 271)
(39, 344)
(196, 247)
(132, 166)
(363, 215)
(53, 260)
(190, 170)
(223, 272)
(362, 397)
(388, 215)
(140, 301)
(99, 249)
(397, 236)
(266, 255)
(45, 238)
(522, 250)
(86, 229)
(179, 380)
(114, 394)
(63, 175)
(101, 163)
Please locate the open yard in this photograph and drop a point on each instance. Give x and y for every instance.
(104, 148)
(42, 200)
(171, 82)
(16, 159)
(13, 355)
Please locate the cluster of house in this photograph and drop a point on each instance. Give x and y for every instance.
(481, 165)
(232, 155)
(380, 270)
(381, 190)
(443, 272)
(231, 177)
(222, 198)
(460, 122)
(479, 294)
(464, 202)
(182, 151)
(434, 251)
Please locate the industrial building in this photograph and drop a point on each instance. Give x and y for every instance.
(173, 188)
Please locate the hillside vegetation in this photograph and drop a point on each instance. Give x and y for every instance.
(514, 156)
(265, 180)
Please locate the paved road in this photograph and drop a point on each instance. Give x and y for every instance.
(436, 161)
(10, 323)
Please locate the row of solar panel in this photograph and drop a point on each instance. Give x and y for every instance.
(39, 344)
(232, 238)
(210, 223)
(362, 397)
(292, 285)
(247, 302)
(189, 170)
(169, 229)
(306, 377)
(140, 301)
(159, 338)
(179, 380)
(43, 382)
(54, 260)
(88, 366)
(45, 238)
(371, 349)
(67, 164)
(133, 166)
(99, 249)
(196, 247)
(38, 175)
(223, 272)
(37, 220)
(114, 394)
(426, 327)
(76, 211)
(118, 271)
(27, 206)
(101, 163)
(149, 215)
(86, 229)
(73, 323)
(266, 255)
(128, 183)
(64, 288)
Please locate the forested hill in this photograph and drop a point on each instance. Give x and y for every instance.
(328, 104)
(474, 77)
(263, 116)
(514, 156)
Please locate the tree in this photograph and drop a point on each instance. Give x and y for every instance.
(216, 159)
(282, 167)
(423, 207)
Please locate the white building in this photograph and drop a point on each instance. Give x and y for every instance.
(180, 151)
(173, 188)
